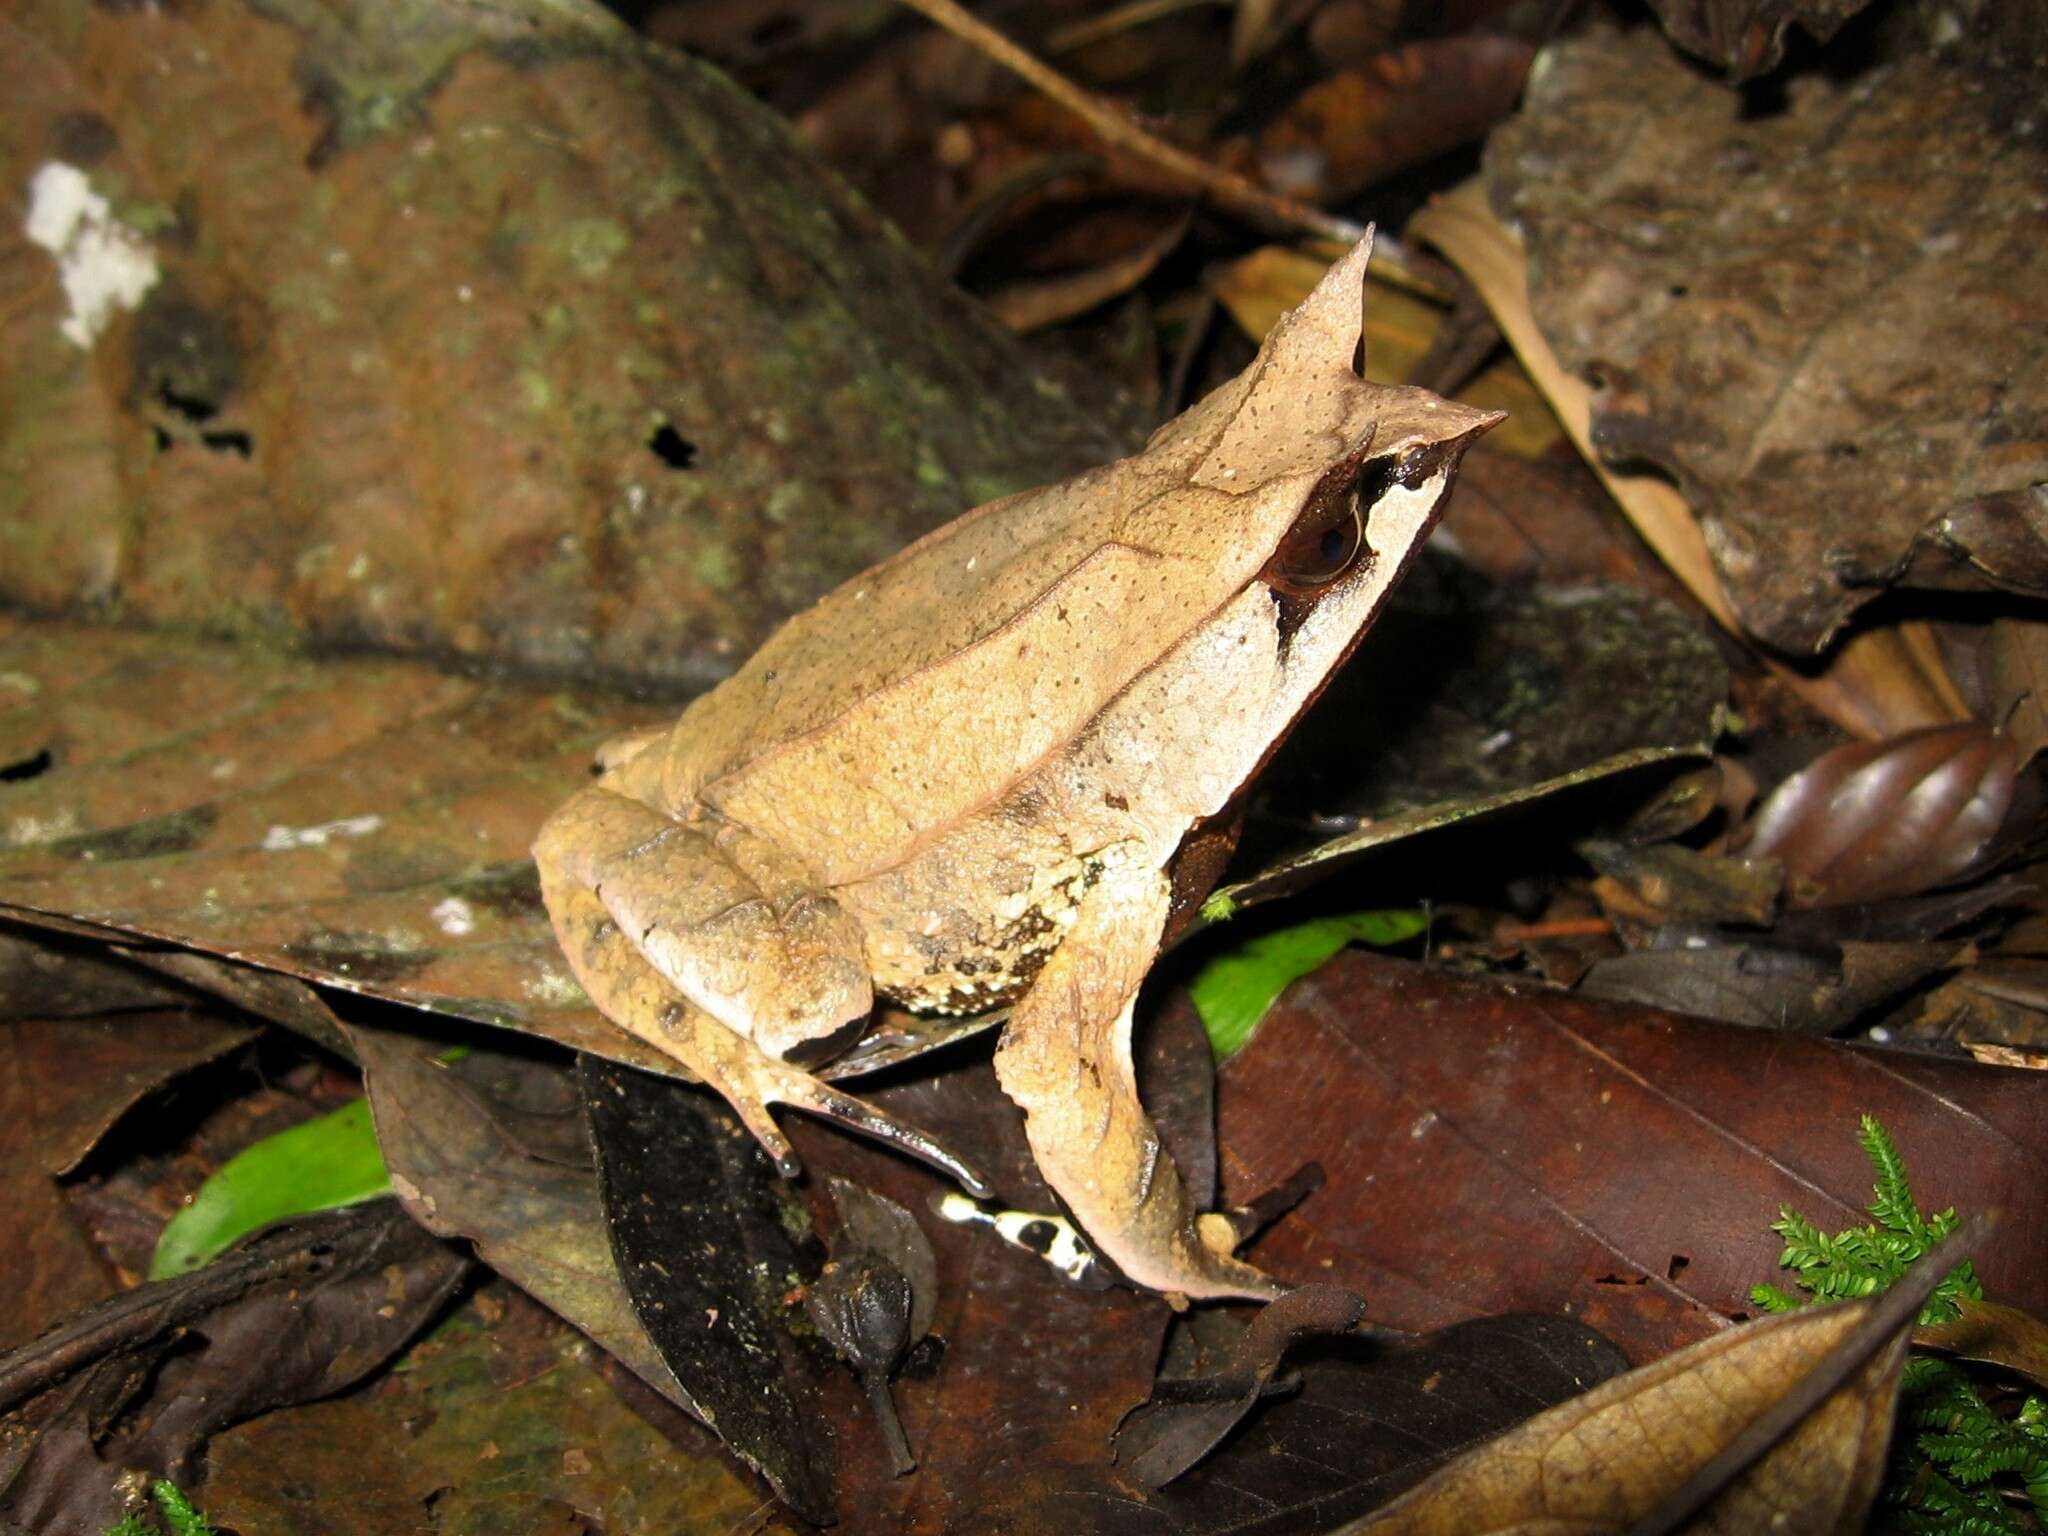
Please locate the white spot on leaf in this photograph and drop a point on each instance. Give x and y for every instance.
(104, 265)
(280, 838)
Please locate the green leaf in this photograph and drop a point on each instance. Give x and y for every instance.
(329, 1162)
(1233, 991)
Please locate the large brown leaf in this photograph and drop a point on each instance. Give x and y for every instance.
(1495, 1148)
(1824, 320)
(479, 330)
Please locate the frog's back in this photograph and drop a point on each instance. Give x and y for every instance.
(925, 687)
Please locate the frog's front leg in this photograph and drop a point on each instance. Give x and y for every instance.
(702, 945)
(1066, 1060)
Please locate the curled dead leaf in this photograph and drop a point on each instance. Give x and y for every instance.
(1888, 818)
(1780, 1424)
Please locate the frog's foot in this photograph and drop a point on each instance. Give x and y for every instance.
(1066, 1060)
(630, 992)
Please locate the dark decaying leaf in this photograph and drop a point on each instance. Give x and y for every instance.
(44, 975)
(1370, 1418)
(47, 1268)
(1812, 989)
(1710, 267)
(1778, 1425)
(143, 1379)
(682, 1183)
(1747, 37)
(1462, 692)
(1188, 1416)
(708, 387)
(82, 1075)
(365, 824)
(1494, 1148)
(1877, 819)
(493, 1148)
(1360, 125)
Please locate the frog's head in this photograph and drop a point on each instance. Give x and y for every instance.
(1332, 482)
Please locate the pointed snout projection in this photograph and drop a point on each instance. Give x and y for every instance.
(1305, 402)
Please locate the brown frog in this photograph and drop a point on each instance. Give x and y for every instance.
(1002, 766)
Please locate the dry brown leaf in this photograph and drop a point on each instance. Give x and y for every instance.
(1877, 682)
(1870, 820)
(1358, 126)
(1994, 1333)
(1821, 317)
(1618, 1458)
(1031, 304)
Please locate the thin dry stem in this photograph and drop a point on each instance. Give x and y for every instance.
(1225, 188)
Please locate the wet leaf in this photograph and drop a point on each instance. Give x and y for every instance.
(1233, 990)
(319, 1166)
(1368, 1418)
(1832, 447)
(1031, 304)
(141, 1380)
(706, 390)
(1778, 1425)
(1055, 1365)
(1667, 882)
(1993, 1333)
(1298, 870)
(1872, 820)
(1494, 1148)
(682, 1182)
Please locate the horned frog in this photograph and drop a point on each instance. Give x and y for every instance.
(1000, 767)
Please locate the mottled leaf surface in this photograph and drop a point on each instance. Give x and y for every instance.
(1494, 1148)
(1822, 320)
(473, 331)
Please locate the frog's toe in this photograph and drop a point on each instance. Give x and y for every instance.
(802, 1091)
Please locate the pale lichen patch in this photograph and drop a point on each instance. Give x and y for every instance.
(104, 265)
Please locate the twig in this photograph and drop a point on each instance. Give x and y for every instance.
(1226, 188)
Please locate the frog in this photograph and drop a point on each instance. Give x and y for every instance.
(1001, 769)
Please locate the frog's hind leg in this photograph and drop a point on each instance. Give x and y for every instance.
(639, 999)
(1066, 1060)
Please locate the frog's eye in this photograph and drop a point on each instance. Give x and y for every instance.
(1318, 548)
(1328, 539)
